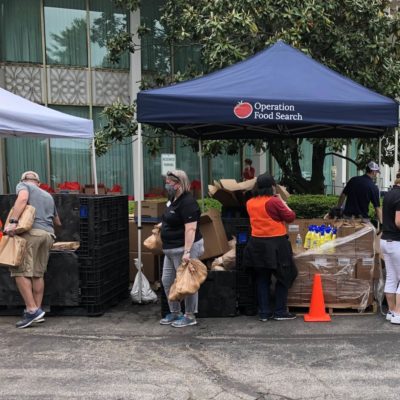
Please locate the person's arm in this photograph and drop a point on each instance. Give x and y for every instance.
(341, 200)
(56, 221)
(378, 213)
(279, 210)
(190, 233)
(19, 206)
(397, 219)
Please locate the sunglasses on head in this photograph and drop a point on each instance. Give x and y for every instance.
(170, 174)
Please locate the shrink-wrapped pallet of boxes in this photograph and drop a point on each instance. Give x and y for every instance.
(347, 264)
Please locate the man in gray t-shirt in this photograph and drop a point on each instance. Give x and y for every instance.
(29, 276)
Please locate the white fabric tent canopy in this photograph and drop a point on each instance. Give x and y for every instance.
(22, 118)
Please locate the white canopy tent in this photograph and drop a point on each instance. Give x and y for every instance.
(20, 117)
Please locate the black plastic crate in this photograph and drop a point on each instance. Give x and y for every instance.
(68, 210)
(106, 211)
(107, 251)
(114, 272)
(233, 226)
(6, 203)
(245, 285)
(217, 295)
(61, 282)
(239, 256)
(104, 293)
(102, 219)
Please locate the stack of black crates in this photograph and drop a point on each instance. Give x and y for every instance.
(245, 282)
(103, 252)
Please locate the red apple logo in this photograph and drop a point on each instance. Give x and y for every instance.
(243, 110)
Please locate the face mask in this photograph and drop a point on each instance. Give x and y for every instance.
(170, 189)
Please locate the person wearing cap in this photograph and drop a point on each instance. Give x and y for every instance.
(268, 250)
(248, 171)
(29, 276)
(359, 192)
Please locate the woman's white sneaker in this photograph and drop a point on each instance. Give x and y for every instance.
(395, 319)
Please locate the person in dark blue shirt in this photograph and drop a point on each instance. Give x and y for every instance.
(359, 192)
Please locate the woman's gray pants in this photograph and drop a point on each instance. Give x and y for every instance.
(172, 260)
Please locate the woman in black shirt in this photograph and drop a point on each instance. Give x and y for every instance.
(182, 240)
(390, 247)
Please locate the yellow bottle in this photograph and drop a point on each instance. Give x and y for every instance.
(308, 238)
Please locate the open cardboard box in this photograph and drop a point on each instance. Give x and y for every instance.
(214, 236)
(231, 193)
(152, 208)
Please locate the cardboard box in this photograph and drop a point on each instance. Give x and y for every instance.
(213, 232)
(133, 234)
(226, 198)
(365, 268)
(91, 191)
(66, 191)
(331, 265)
(283, 192)
(231, 193)
(152, 208)
(150, 266)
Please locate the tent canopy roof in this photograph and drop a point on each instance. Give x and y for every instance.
(278, 92)
(21, 117)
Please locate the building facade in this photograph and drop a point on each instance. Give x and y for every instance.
(53, 52)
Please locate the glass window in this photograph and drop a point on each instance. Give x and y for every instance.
(66, 32)
(25, 154)
(153, 181)
(106, 21)
(20, 37)
(70, 159)
(114, 167)
(155, 52)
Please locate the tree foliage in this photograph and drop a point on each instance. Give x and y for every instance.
(357, 38)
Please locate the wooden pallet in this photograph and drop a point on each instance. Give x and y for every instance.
(336, 309)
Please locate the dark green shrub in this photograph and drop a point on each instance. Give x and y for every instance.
(311, 206)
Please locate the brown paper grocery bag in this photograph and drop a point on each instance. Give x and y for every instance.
(12, 251)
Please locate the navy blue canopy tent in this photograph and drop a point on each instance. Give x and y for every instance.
(278, 92)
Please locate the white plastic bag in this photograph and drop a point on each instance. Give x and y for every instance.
(141, 291)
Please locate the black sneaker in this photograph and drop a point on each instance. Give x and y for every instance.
(283, 317)
(29, 318)
(265, 318)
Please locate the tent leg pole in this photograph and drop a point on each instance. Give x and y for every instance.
(139, 205)
(201, 174)
(379, 162)
(94, 168)
(48, 167)
(396, 151)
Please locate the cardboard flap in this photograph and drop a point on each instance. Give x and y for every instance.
(229, 184)
(283, 192)
(226, 198)
(212, 190)
(247, 185)
(217, 184)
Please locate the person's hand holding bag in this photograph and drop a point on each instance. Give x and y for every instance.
(189, 277)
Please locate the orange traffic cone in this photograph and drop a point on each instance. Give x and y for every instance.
(317, 311)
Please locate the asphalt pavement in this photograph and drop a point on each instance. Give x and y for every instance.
(126, 354)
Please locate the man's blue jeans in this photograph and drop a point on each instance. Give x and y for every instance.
(263, 281)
